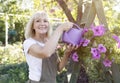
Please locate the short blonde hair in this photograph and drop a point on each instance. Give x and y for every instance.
(29, 31)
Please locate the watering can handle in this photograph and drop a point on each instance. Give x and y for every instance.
(76, 26)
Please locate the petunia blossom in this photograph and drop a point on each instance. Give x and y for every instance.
(97, 56)
(81, 41)
(75, 57)
(101, 48)
(95, 53)
(116, 38)
(84, 30)
(107, 63)
(98, 30)
(86, 42)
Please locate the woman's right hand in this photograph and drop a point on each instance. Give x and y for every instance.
(66, 26)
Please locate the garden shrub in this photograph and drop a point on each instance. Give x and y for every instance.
(14, 73)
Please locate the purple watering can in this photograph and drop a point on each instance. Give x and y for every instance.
(73, 36)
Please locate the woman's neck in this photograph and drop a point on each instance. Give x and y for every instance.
(41, 38)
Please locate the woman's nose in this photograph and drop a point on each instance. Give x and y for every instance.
(42, 23)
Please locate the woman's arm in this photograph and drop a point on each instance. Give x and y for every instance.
(50, 45)
(70, 48)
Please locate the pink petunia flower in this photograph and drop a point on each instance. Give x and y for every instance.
(97, 56)
(86, 42)
(98, 30)
(75, 57)
(95, 53)
(81, 41)
(101, 48)
(116, 38)
(85, 30)
(107, 63)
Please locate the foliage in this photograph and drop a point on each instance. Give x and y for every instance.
(13, 68)
(62, 77)
(94, 66)
(102, 72)
(14, 73)
(17, 24)
(11, 54)
(112, 15)
(11, 7)
(112, 49)
(17, 18)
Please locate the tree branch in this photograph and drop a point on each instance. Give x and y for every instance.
(100, 12)
(75, 1)
(90, 15)
(66, 10)
(79, 12)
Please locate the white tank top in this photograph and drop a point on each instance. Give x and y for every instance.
(34, 63)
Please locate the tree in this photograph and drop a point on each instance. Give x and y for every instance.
(84, 18)
(15, 19)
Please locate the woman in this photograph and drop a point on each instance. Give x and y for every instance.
(39, 49)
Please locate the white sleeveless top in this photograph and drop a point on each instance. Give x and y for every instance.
(34, 63)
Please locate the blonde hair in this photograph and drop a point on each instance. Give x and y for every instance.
(29, 31)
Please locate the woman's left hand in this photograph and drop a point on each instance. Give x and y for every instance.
(70, 49)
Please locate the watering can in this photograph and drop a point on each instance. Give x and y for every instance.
(72, 36)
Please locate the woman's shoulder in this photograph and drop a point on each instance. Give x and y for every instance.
(32, 41)
(29, 40)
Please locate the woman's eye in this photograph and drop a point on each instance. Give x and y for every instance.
(37, 21)
(41, 20)
(45, 21)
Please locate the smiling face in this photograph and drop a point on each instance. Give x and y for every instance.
(41, 24)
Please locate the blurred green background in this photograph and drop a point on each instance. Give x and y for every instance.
(14, 15)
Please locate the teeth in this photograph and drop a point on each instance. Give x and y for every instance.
(42, 27)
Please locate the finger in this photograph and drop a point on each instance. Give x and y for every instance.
(68, 45)
(76, 47)
(72, 46)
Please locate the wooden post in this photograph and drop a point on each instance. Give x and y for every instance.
(6, 30)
